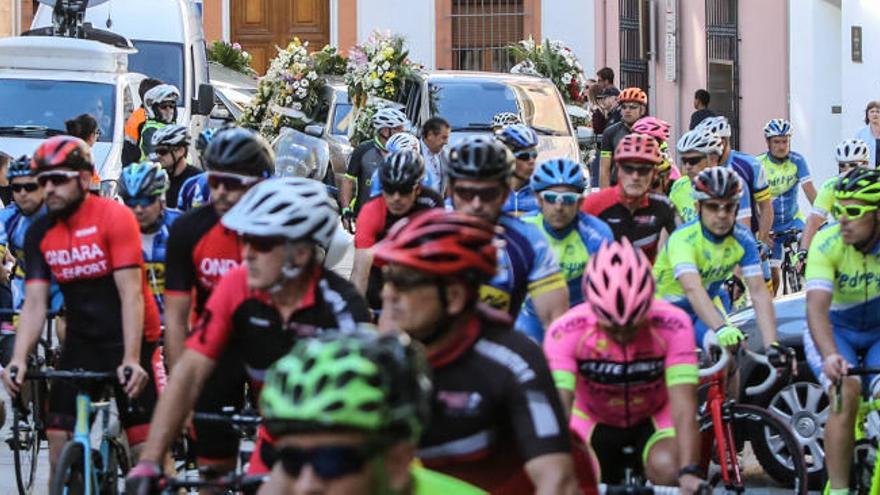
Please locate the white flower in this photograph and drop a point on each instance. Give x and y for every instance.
(386, 65)
(377, 83)
(304, 83)
(288, 100)
(380, 71)
(312, 75)
(297, 106)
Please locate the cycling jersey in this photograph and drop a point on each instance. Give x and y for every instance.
(364, 160)
(154, 245)
(13, 226)
(526, 266)
(81, 252)
(825, 198)
(194, 193)
(621, 384)
(682, 197)
(784, 178)
(495, 407)
(642, 227)
(573, 247)
(427, 482)
(750, 170)
(175, 183)
(131, 152)
(610, 138)
(521, 202)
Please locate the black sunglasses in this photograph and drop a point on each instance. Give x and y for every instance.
(526, 155)
(629, 170)
(56, 178)
(27, 187)
(403, 190)
(232, 182)
(486, 194)
(330, 462)
(692, 160)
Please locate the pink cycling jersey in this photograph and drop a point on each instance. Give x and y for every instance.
(621, 385)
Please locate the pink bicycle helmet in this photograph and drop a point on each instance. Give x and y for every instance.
(619, 284)
(652, 126)
(639, 148)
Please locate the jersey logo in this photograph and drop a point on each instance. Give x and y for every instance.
(86, 231)
(617, 373)
(216, 267)
(645, 219)
(460, 403)
(78, 261)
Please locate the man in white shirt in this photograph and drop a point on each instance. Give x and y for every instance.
(435, 135)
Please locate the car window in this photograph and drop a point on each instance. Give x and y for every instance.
(48, 103)
(542, 108)
(159, 60)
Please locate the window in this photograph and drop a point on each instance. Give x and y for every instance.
(634, 44)
(481, 31)
(723, 61)
(159, 60)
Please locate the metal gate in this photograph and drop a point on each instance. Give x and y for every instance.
(722, 50)
(481, 31)
(634, 45)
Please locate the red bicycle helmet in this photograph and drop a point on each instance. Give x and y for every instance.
(639, 148)
(619, 284)
(441, 243)
(652, 126)
(633, 95)
(62, 151)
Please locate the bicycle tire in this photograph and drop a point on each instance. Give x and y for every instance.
(25, 448)
(116, 468)
(759, 420)
(70, 477)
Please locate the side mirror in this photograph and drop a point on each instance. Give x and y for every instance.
(314, 130)
(205, 101)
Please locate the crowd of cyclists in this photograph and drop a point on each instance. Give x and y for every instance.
(503, 329)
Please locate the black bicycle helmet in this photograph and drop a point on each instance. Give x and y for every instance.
(240, 151)
(717, 183)
(402, 169)
(480, 158)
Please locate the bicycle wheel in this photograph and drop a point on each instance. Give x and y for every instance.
(778, 452)
(70, 477)
(25, 445)
(862, 469)
(113, 475)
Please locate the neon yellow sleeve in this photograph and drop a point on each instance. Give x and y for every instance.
(682, 374)
(564, 380)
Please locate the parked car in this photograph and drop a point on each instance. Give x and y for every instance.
(233, 91)
(332, 124)
(800, 402)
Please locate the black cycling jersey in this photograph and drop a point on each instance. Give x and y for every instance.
(610, 138)
(365, 159)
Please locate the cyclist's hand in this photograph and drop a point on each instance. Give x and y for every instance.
(834, 367)
(13, 383)
(689, 484)
(132, 377)
(780, 356)
(143, 479)
(801, 262)
(348, 220)
(729, 336)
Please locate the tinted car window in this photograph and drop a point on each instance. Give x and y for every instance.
(159, 60)
(47, 103)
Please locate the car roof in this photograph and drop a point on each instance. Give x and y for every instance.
(59, 53)
(447, 75)
(129, 18)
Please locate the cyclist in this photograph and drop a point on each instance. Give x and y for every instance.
(593, 352)
(170, 149)
(843, 301)
(195, 191)
(355, 189)
(402, 141)
(90, 246)
(522, 141)
(479, 170)
(630, 208)
(504, 119)
(280, 295)
(785, 169)
(698, 150)
(574, 236)
(850, 154)
(131, 152)
(403, 195)
(750, 170)
(200, 251)
(633, 106)
(160, 104)
(390, 378)
(495, 409)
(702, 254)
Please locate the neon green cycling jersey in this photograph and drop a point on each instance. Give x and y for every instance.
(825, 198)
(681, 195)
(693, 249)
(427, 482)
(852, 277)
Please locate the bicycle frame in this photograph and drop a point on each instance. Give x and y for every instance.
(722, 431)
(865, 408)
(82, 436)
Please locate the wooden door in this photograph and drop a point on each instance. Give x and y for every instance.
(261, 25)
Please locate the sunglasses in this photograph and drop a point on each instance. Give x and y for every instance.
(852, 212)
(631, 106)
(232, 182)
(330, 462)
(560, 198)
(143, 202)
(717, 207)
(167, 106)
(404, 281)
(262, 244)
(526, 155)
(26, 187)
(403, 190)
(486, 194)
(630, 170)
(849, 166)
(692, 160)
(56, 178)
(162, 151)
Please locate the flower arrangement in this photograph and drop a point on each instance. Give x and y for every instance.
(231, 56)
(378, 67)
(555, 61)
(329, 62)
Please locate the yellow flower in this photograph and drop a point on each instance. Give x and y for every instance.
(373, 75)
(387, 52)
(389, 76)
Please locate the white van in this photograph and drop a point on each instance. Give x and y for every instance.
(170, 46)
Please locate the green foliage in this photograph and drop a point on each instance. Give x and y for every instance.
(231, 56)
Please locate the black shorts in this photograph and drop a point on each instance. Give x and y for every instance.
(608, 443)
(99, 356)
(224, 388)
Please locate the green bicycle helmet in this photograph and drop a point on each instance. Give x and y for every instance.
(378, 384)
(860, 183)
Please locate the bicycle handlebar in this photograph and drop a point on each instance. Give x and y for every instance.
(768, 382)
(66, 375)
(234, 483)
(857, 371)
(605, 489)
(238, 419)
(710, 342)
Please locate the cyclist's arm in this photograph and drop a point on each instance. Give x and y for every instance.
(814, 221)
(177, 307)
(818, 307)
(692, 284)
(551, 304)
(763, 304)
(360, 271)
(346, 191)
(809, 190)
(765, 220)
(370, 222)
(33, 317)
(180, 279)
(683, 404)
(559, 347)
(604, 170)
(552, 474)
(130, 286)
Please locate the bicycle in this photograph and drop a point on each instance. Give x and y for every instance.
(792, 279)
(228, 484)
(864, 475)
(633, 484)
(82, 469)
(726, 424)
(244, 423)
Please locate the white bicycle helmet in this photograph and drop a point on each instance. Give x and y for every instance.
(505, 118)
(777, 128)
(159, 94)
(171, 135)
(403, 141)
(294, 208)
(719, 125)
(389, 118)
(851, 150)
(701, 141)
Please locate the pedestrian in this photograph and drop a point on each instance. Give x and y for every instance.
(701, 108)
(605, 78)
(870, 134)
(435, 136)
(606, 112)
(85, 127)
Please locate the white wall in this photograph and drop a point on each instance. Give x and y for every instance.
(412, 19)
(572, 21)
(861, 81)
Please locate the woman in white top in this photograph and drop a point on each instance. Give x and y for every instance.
(870, 134)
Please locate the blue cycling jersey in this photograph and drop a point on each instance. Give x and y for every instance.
(153, 246)
(194, 193)
(749, 169)
(784, 177)
(521, 202)
(13, 226)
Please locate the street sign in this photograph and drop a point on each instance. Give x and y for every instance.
(856, 42)
(670, 68)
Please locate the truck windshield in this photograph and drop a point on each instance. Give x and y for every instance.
(159, 60)
(40, 105)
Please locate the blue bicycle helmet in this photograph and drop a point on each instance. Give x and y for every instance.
(204, 139)
(143, 180)
(777, 128)
(20, 167)
(558, 172)
(518, 137)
